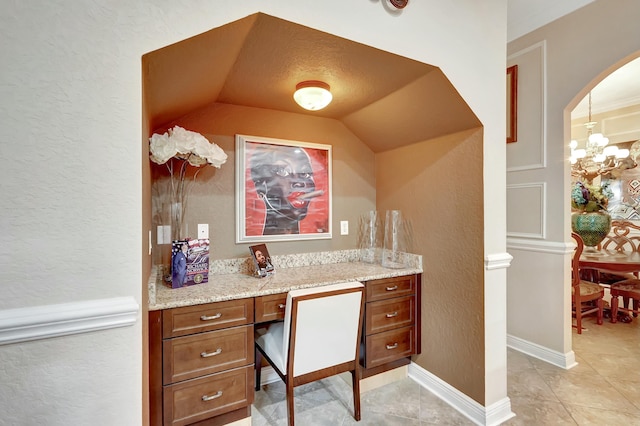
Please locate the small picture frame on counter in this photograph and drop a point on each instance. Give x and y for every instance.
(189, 262)
(262, 260)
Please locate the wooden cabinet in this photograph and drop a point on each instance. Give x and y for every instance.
(201, 363)
(270, 307)
(392, 323)
(201, 357)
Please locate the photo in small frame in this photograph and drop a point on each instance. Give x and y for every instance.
(262, 260)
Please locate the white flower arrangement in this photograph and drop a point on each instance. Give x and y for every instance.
(187, 148)
(185, 145)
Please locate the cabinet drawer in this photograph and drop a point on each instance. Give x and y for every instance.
(389, 346)
(270, 308)
(212, 316)
(192, 356)
(388, 314)
(391, 287)
(198, 399)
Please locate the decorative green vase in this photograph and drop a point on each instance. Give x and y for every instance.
(592, 227)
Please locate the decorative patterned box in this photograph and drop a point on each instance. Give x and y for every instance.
(189, 262)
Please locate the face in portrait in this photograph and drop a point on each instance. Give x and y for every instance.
(262, 261)
(283, 179)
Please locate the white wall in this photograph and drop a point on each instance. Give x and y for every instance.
(70, 99)
(558, 65)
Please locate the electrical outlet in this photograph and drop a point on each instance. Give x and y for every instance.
(344, 227)
(203, 231)
(160, 235)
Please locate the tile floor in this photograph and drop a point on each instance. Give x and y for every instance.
(604, 389)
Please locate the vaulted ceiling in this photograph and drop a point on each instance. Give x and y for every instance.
(385, 99)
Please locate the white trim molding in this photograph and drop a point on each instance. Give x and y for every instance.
(492, 415)
(558, 359)
(540, 49)
(41, 322)
(497, 261)
(550, 247)
(539, 189)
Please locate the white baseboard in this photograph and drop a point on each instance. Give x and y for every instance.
(42, 322)
(493, 415)
(558, 359)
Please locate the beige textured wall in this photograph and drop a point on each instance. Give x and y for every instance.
(437, 185)
(212, 199)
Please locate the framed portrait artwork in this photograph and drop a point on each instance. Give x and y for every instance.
(283, 190)
(512, 104)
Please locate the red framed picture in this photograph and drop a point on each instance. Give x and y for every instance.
(283, 190)
(512, 104)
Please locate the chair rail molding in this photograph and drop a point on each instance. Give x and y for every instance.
(551, 247)
(42, 322)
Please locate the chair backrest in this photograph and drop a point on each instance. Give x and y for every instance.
(575, 262)
(620, 238)
(321, 326)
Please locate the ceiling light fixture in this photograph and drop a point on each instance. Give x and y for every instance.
(312, 95)
(595, 159)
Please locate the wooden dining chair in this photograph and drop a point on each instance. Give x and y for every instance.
(629, 290)
(624, 236)
(320, 337)
(587, 297)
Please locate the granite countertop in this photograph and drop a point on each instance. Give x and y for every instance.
(231, 279)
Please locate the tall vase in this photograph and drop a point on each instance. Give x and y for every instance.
(593, 227)
(394, 247)
(369, 237)
(177, 221)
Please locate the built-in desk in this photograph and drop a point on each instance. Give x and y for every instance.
(201, 337)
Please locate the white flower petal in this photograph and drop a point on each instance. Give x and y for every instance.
(161, 148)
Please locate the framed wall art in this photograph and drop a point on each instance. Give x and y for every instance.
(512, 104)
(283, 190)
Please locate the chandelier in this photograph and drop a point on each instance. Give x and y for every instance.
(596, 159)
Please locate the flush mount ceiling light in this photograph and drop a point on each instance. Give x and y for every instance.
(312, 95)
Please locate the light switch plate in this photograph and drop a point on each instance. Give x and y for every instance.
(203, 231)
(344, 227)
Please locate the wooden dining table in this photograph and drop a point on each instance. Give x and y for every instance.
(611, 260)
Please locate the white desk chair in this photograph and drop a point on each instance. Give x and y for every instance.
(320, 337)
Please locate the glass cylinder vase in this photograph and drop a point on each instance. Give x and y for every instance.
(370, 237)
(394, 248)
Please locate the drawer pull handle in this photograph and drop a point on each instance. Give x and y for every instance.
(207, 355)
(209, 398)
(206, 318)
(395, 345)
(394, 288)
(395, 314)
(281, 306)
